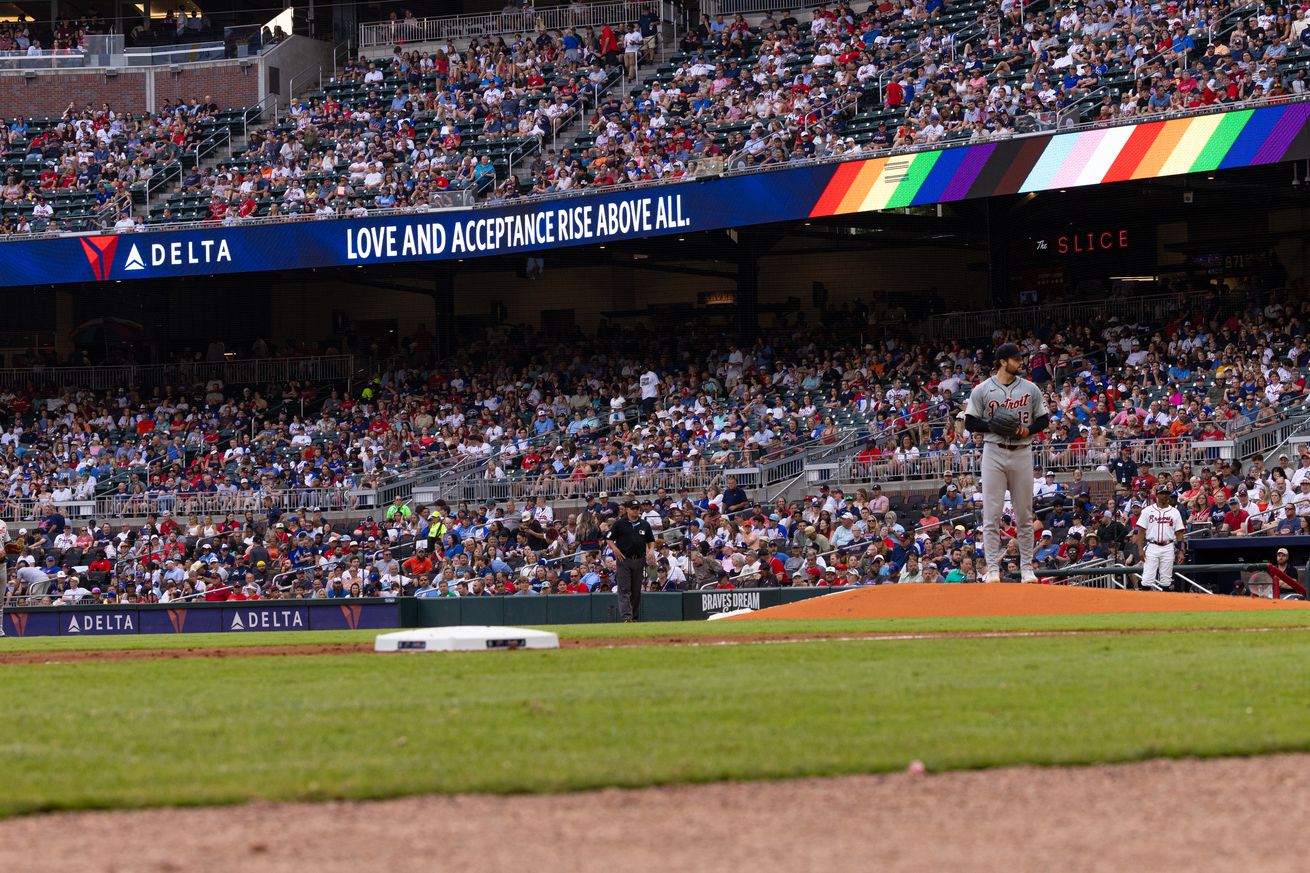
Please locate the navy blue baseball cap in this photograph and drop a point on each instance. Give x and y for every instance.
(1006, 351)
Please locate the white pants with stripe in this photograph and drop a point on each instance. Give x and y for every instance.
(1007, 469)
(1158, 566)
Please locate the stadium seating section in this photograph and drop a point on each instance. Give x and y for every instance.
(577, 430)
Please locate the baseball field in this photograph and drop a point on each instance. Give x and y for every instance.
(1165, 734)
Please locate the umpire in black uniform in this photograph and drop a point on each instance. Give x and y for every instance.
(631, 540)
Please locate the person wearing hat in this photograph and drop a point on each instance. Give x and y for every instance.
(1071, 550)
(879, 502)
(533, 532)
(1290, 524)
(1008, 410)
(1283, 563)
(951, 501)
(632, 541)
(1236, 518)
(1047, 550)
(1047, 490)
(1159, 533)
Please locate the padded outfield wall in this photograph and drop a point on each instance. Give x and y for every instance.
(382, 613)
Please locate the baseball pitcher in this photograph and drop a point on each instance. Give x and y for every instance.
(1008, 409)
(1159, 533)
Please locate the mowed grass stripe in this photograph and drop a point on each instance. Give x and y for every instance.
(692, 629)
(196, 731)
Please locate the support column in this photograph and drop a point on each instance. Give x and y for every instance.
(443, 311)
(748, 292)
(63, 324)
(998, 251)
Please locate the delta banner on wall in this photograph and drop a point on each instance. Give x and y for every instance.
(233, 617)
(1201, 143)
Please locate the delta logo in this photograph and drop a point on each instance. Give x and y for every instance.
(100, 254)
(99, 251)
(18, 620)
(351, 613)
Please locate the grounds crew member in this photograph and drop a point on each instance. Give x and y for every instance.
(1008, 409)
(1159, 533)
(633, 543)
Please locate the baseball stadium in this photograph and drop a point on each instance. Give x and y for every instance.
(660, 435)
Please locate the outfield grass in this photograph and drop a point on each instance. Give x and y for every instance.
(692, 629)
(191, 731)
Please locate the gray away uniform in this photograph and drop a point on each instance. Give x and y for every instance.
(1007, 462)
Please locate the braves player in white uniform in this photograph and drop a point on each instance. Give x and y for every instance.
(1007, 461)
(1159, 533)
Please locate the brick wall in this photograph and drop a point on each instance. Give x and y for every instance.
(132, 90)
(51, 91)
(229, 85)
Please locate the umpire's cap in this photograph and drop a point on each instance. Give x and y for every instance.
(1006, 351)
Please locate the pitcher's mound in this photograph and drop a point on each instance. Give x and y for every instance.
(958, 601)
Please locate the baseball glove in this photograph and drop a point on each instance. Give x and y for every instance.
(1005, 422)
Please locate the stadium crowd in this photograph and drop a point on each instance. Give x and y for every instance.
(487, 116)
(664, 416)
(831, 82)
(90, 158)
(791, 89)
(714, 538)
(392, 134)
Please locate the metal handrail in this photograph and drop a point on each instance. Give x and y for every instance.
(968, 460)
(1101, 90)
(958, 323)
(256, 111)
(389, 33)
(231, 372)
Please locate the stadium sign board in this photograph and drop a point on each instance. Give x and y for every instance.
(192, 618)
(1200, 143)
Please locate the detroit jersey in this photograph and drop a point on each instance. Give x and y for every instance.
(1021, 396)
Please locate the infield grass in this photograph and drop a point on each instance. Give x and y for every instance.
(210, 730)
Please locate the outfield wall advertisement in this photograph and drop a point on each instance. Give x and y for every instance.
(199, 618)
(384, 613)
(1202, 143)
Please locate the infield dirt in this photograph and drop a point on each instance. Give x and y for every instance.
(970, 601)
(1162, 816)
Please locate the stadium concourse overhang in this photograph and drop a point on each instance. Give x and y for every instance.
(1214, 197)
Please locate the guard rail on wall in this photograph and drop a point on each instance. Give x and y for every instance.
(1269, 439)
(432, 477)
(773, 468)
(229, 372)
(971, 325)
(454, 27)
(140, 506)
(637, 481)
(1157, 453)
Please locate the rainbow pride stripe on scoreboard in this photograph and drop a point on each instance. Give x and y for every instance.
(1091, 157)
